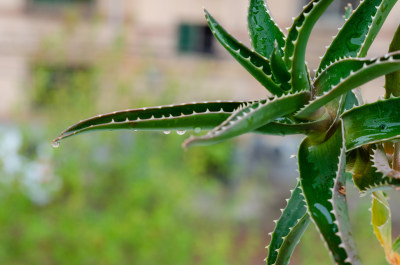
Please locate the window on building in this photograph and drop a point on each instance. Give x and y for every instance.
(338, 6)
(55, 7)
(195, 39)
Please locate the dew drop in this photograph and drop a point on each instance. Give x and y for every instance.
(166, 132)
(181, 132)
(55, 144)
(197, 130)
(293, 156)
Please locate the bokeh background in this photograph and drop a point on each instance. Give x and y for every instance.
(134, 197)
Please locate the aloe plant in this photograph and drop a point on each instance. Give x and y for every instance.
(343, 136)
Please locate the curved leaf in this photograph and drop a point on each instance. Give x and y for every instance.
(251, 117)
(291, 240)
(278, 68)
(292, 223)
(257, 65)
(382, 224)
(340, 211)
(359, 31)
(317, 178)
(263, 30)
(345, 75)
(372, 123)
(204, 115)
(309, 128)
(365, 175)
(392, 80)
(296, 43)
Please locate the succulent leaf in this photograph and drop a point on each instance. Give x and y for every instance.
(340, 210)
(347, 74)
(392, 80)
(263, 30)
(257, 65)
(382, 164)
(366, 177)
(291, 240)
(317, 178)
(292, 223)
(309, 128)
(278, 68)
(204, 115)
(382, 225)
(296, 43)
(251, 117)
(372, 123)
(359, 31)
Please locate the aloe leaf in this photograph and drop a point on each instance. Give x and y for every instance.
(381, 163)
(278, 68)
(392, 80)
(291, 240)
(359, 31)
(296, 43)
(292, 223)
(251, 117)
(382, 225)
(372, 123)
(365, 174)
(204, 115)
(263, 30)
(340, 211)
(257, 65)
(282, 129)
(343, 76)
(317, 178)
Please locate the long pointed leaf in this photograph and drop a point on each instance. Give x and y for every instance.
(296, 43)
(291, 221)
(263, 30)
(203, 115)
(257, 65)
(251, 117)
(317, 181)
(359, 31)
(347, 74)
(340, 211)
(392, 80)
(278, 68)
(372, 123)
(382, 224)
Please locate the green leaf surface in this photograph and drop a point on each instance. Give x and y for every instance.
(296, 43)
(282, 129)
(317, 178)
(291, 225)
(392, 80)
(359, 31)
(263, 30)
(251, 117)
(278, 68)
(291, 240)
(382, 224)
(365, 175)
(257, 65)
(345, 75)
(341, 213)
(372, 123)
(203, 115)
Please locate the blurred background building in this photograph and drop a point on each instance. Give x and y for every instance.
(172, 31)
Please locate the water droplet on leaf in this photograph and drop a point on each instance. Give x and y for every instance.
(197, 130)
(181, 132)
(166, 132)
(55, 144)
